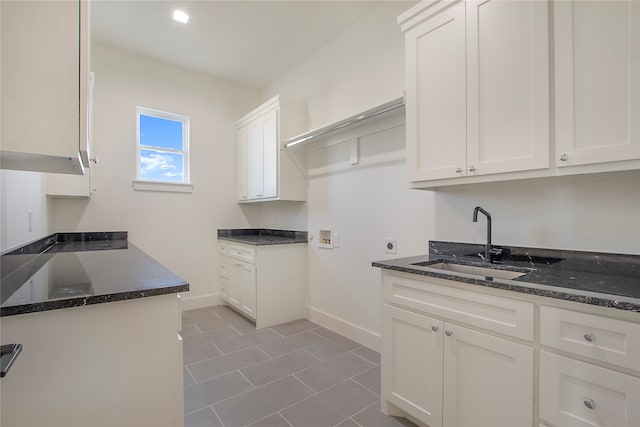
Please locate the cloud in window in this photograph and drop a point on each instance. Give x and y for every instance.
(155, 162)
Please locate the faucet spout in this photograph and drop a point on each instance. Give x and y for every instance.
(488, 253)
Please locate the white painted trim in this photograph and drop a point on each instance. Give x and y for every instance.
(191, 303)
(175, 187)
(356, 333)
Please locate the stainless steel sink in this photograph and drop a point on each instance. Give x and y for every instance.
(472, 269)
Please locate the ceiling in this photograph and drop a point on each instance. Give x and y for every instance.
(248, 42)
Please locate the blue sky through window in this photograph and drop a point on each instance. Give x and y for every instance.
(160, 138)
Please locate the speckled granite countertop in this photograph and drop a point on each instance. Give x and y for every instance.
(74, 269)
(262, 236)
(604, 279)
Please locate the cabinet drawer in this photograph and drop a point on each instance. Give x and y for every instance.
(242, 253)
(574, 393)
(223, 266)
(599, 338)
(493, 313)
(222, 247)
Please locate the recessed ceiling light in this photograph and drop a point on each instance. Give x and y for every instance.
(180, 16)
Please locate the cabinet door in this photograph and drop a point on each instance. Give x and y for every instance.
(234, 288)
(270, 154)
(255, 160)
(241, 164)
(578, 394)
(412, 364)
(248, 289)
(41, 82)
(436, 96)
(507, 86)
(597, 79)
(488, 381)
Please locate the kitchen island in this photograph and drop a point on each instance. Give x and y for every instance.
(99, 323)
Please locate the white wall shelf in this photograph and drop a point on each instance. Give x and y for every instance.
(387, 109)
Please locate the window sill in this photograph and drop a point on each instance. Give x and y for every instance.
(173, 187)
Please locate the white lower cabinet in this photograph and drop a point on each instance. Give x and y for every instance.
(579, 394)
(265, 283)
(446, 374)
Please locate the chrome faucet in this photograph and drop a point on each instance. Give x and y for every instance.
(489, 251)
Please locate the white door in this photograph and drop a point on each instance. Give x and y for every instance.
(507, 86)
(412, 364)
(270, 154)
(241, 164)
(488, 381)
(436, 96)
(234, 287)
(248, 288)
(597, 73)
(578, 394)
(255, 159)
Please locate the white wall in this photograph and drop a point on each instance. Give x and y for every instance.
(177, 229)
(20, 193)
(366, 203)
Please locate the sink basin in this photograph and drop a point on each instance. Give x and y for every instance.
(472, 269)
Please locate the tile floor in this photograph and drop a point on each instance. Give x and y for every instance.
(293, 375)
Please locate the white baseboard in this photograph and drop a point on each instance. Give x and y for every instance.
(190, 303)
(354, 332)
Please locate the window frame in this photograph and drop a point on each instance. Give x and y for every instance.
(164, 185)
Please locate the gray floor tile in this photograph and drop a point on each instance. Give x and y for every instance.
(203, 418)
(208, 337)
(237, 342)
(187, 378)
(216, 322)
(332, 348)
(197, 311)
(333, 371)
(373, 417)
(274, 420)
(226, 312)
(189, 329)
(325, 333)
(370, 379)
(196, 354)
(226, 363)
(329, 407)
(371, 355)
(245, 327)
(262, 401)
(200, 395)
(348, 423)
(279, 367)
(295, 327)
(290, 343)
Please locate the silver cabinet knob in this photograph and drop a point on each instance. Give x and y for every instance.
(458, 170)
(435, 328)
(589, 337)
(448, 333)
(589, 403)
(564, 157)
(472, 168)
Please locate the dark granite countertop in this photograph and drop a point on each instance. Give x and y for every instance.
(604, 279)
(74, 269)
(262, 236)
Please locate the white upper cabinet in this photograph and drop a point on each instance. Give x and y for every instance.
(597, 79)
(265, 171)
(477, 76)
(45, 78)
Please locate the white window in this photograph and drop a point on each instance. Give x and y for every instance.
(162, 150)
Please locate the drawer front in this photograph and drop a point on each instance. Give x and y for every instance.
(222, 247)
(242, 253)
(578, 394)
(599, 338)
(493, 313)
(223, 266)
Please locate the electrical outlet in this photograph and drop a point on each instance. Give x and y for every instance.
(390, 246)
